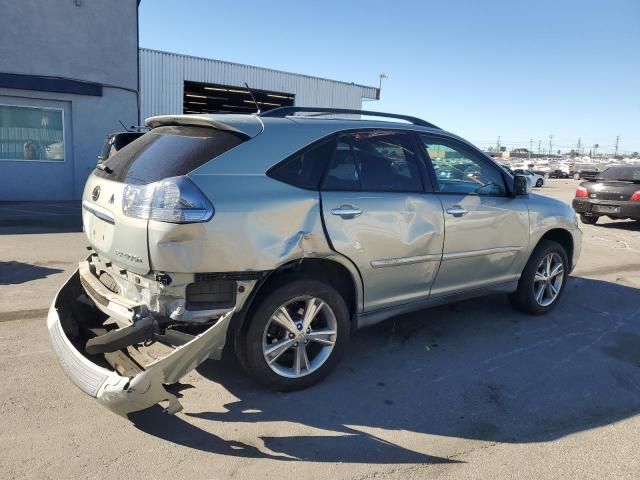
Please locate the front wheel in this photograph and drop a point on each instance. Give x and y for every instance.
(296, 334)
(543, 279)
(539, 183)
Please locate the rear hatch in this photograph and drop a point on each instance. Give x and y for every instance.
(615, 184)
(166, 151)
(612, 190)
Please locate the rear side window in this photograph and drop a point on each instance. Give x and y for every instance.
(374, 162)
(168, 152)
(304, 169)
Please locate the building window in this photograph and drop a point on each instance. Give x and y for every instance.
(31, 133)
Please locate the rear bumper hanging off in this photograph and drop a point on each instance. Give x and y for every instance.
(123, 394)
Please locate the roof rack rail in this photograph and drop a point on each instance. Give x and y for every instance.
(282, 112)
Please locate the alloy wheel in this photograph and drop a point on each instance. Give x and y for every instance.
(299, 337)
(548, 279)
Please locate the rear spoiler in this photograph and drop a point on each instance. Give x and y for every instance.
(249, 125)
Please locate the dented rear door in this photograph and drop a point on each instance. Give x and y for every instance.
(377, 213)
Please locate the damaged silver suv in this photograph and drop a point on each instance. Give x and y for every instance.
(276, 235)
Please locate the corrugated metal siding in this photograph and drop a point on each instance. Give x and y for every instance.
(162, 77)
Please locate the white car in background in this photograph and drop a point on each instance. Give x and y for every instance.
(534, 179)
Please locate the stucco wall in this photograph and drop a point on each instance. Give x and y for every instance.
(86, 40)
(96, 41)
(87, 121)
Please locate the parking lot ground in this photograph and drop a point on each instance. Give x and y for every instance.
(40, 217)
(470, 390)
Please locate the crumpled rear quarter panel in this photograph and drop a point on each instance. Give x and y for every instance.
(259, 224)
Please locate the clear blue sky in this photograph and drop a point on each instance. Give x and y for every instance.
(481, 69)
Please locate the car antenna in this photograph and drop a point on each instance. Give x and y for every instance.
(123, 126)
(252, 97)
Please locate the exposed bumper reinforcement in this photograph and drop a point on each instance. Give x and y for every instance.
(122, 394)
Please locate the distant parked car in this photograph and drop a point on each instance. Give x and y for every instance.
(534, 179)
(614, 193)
(557, 173)
(584, 172)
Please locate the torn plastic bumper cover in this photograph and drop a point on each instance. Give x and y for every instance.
(120, 393)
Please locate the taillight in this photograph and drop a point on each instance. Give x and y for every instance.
(582, 192)
(636, 196)
(173, 200)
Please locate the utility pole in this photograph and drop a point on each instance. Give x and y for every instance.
(530, 148)
(579, 146)
(498, 145)
(550, 145)
(617, 144)
(539, 147)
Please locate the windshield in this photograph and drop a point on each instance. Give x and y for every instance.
(629, 173)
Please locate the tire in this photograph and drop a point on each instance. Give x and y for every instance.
(261, 331)
(539, 183)
(588, 220)
(524, 298)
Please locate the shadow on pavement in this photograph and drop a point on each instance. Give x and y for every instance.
(13, 273)
(40, 217)
(473, 370)
(629, 225)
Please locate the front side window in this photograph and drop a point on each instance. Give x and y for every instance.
(461, 171)
(31, 133)
(374, 162)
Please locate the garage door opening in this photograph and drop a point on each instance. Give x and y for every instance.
(212, 98)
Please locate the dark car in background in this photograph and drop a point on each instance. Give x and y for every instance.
(557, 173)
(584, 171)
(614, 193)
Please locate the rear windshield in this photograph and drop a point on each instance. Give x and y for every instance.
(168, 152)
(627, 173)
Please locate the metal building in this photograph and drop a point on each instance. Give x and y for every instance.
(171, 83)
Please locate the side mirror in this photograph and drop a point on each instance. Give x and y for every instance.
(521, 186)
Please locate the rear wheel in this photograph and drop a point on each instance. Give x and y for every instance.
(543, 279)
(588, 219)
(539, 182)
(295, 335)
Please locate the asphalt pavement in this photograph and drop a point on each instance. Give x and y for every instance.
(469, 390)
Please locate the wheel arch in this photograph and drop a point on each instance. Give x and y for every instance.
(335, 270)
(563, 237)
